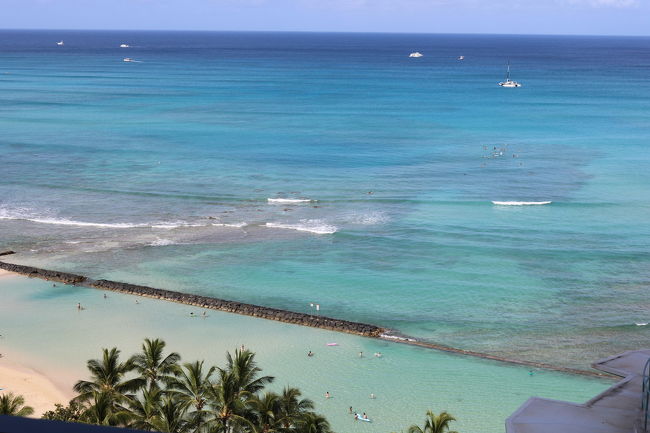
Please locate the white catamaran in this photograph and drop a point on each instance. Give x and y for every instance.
(508, 82)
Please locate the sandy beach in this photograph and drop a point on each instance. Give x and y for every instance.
(38, 390)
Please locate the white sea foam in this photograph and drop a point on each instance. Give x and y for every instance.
(235, 225)
(173, 225)
(312, 226)
(520, 203)
(161, 242)
(368, 219)
(290, 200)
(26, 214)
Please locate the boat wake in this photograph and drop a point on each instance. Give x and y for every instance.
(520, 203)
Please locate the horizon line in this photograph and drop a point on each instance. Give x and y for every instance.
(326, 31)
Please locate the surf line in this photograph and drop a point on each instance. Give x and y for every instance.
(295, 318)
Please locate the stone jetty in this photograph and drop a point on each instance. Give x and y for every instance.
(201, 301)
(279, 315)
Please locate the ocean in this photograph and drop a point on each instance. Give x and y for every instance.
(289, 169)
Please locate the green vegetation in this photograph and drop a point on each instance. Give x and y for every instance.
(154, 391)
(11, 404)
(151, 391)
(434, 424)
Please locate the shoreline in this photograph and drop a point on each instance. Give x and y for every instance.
(302, 319)
(39, 390)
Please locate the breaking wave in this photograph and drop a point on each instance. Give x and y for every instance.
(312, 226)
(520, 203)
(290, 200)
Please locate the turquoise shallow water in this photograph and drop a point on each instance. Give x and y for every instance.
(42, 328)
(159, 172)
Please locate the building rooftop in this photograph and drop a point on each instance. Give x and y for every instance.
(616, 410)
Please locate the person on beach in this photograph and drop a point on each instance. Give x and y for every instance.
(105, 296)
(350, 409)
(310, 354)
(327, 395)
(79, 306)
(242, 348)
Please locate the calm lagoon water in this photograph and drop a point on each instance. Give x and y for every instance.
(42, 328)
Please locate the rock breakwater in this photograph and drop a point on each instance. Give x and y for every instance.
(200, 301)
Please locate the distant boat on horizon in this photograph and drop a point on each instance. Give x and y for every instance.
(124, 45)
(508, 82)
(416, 54)
(60, 43)
(461, 57)
(128, 59)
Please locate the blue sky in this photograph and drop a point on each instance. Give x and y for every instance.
(604, 17)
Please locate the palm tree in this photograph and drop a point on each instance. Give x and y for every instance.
(267, 410)
(143, 410)
(191, 387)
(152, 365)
(171, 418)
(11, 404)
(108, 384)
(245, 371)
(101, 410)
(434, 423)
(292, 407)
(313, 423)
(231, 405)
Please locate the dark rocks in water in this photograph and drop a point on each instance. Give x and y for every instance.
(6, 253)
(30, 271)
(202, 301)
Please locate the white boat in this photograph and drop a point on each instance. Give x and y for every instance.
(416, 54)
(461, 57)
(508, 82)
(124, 45)
(128, 59)
(60, 43)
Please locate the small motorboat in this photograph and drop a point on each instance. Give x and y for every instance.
(60, 43)
(461, 57)
(124, 45)
(128, 59)
(416, 54)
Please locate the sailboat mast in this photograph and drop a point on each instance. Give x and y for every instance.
(508, 73)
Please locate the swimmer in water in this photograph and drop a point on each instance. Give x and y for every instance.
(327, 395)
(360, 354)
(350, 409)
(79, 306)
(310, 353)
(372, 396)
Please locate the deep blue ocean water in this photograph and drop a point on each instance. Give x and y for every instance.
(160, 171)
